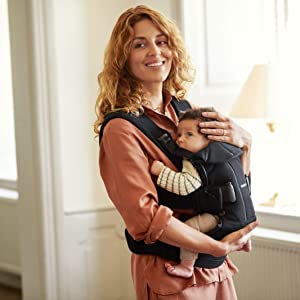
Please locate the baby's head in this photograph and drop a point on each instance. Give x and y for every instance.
(189, 136)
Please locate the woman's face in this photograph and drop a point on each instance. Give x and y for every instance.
(150, 57)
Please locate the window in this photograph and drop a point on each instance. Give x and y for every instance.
(284, 166)
(226, 39)
(8, 169)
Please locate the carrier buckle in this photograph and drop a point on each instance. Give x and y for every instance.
(165, 139)
(228, 193)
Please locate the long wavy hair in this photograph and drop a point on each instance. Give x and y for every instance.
(119, 89)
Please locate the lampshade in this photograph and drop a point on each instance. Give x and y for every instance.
(254, 98)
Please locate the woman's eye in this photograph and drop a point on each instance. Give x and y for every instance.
(162, 42)
(139, 45)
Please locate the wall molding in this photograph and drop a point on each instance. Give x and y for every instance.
(10, 279)
(9, 268)
(98, 261)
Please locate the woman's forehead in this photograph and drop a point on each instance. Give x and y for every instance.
(146, 27)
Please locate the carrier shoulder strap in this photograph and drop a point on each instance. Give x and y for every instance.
(157, 135)
(144, 123)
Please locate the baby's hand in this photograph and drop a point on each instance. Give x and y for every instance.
(156, 167)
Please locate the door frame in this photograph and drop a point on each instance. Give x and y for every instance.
(40, 203)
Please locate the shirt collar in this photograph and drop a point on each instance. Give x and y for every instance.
(167, 96)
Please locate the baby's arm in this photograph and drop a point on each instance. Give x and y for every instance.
(180, 183)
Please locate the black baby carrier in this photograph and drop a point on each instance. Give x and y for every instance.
(225, 190)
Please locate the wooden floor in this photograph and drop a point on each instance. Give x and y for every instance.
(8, 293)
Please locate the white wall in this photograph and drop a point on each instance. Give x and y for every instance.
(80, 33)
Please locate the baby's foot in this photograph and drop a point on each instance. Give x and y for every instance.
(179, 270)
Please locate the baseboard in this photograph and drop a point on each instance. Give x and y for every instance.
(9, 279)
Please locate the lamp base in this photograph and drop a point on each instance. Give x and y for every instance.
(271, 202)
(272, 126)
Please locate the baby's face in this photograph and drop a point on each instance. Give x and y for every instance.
(188, 136)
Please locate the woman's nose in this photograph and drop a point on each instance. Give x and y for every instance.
(153, 49)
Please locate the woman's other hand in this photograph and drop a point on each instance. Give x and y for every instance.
(238, 240)
(247, 247)
(223, 129)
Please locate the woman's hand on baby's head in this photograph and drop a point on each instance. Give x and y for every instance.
(156, 167)
(224, 129)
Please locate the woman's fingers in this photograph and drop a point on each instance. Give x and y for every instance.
(212, 131)
(247, 247)
(223, 129)
(215, 115)
(246, 232)
(237, 240)
(250, 227)
(214, 124)
(220, 135)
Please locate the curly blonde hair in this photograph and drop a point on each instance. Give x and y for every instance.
(119, 90)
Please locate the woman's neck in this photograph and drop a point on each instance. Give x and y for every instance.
(154, 96)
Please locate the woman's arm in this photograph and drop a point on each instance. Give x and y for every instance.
(181, 235)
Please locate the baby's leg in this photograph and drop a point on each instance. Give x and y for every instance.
(204, 223)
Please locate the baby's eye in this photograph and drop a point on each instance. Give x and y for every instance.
(189, 134)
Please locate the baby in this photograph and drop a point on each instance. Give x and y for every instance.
(187, 181)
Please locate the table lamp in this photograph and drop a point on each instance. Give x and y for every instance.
(254, 101)
(254, 98)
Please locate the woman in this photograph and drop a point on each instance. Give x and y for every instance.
(145, 64)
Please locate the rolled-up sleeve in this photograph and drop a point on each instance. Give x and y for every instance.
(124, 168)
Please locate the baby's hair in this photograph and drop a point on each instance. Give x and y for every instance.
(196, 114)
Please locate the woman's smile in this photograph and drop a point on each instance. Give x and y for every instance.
(155, 64)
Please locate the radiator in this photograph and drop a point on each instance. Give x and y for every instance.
(271, 271)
